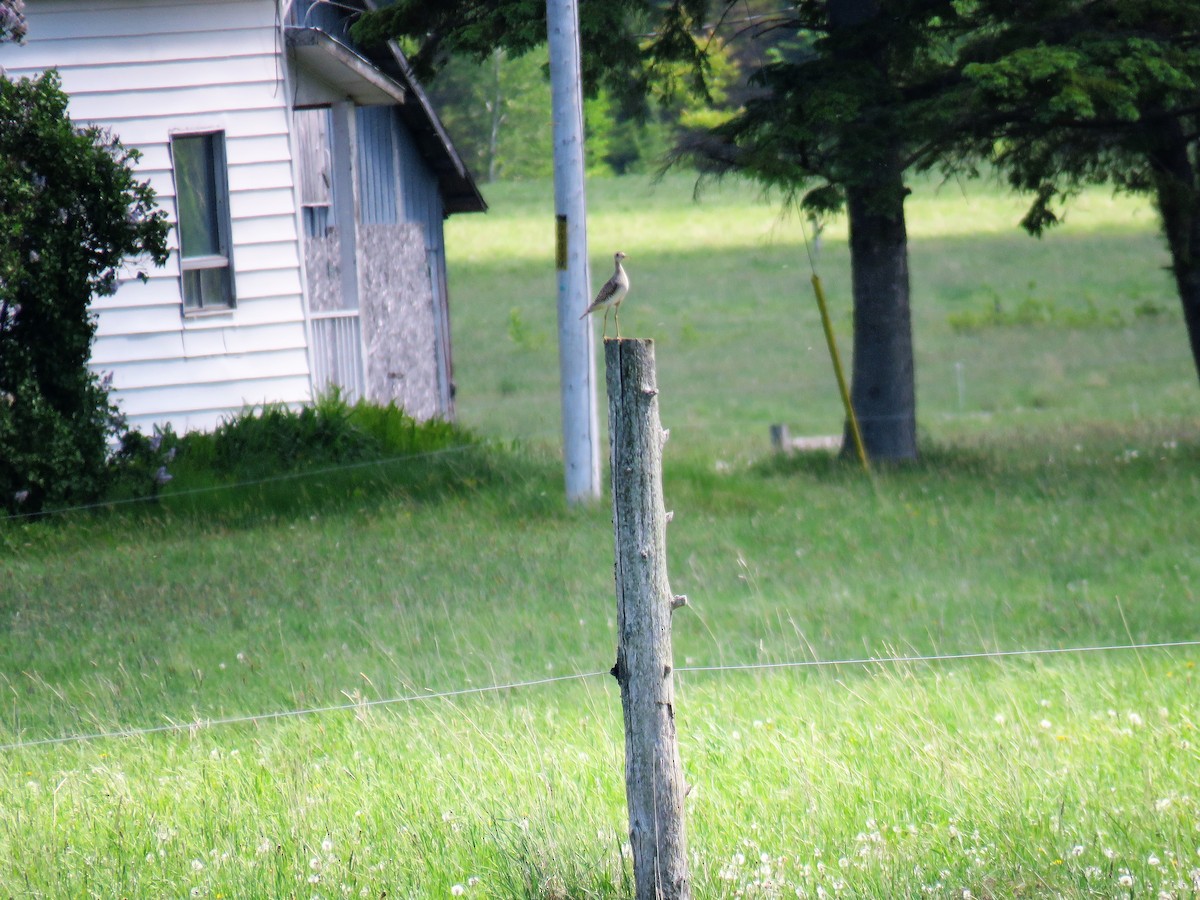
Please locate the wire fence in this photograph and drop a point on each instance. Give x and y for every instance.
(814, 377)
(197, 725)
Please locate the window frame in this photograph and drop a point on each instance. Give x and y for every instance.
(223, 260)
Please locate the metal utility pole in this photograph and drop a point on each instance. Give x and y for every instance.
(576, 350)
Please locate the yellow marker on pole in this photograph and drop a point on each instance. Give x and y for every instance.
(837, 369)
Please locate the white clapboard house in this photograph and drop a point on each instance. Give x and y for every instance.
(308, 180)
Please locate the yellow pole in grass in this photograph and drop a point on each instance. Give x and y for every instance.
(837, 369)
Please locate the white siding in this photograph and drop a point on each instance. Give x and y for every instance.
(147, 69)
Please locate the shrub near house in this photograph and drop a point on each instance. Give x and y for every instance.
(71, 212)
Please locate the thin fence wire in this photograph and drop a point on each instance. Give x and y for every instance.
(254, 482)
(204, 724)
(199, 725)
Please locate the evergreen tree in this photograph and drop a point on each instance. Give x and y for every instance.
(1066, 93)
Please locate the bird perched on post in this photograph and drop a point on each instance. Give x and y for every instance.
(611, 295)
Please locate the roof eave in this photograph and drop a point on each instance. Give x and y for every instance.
(338, 65)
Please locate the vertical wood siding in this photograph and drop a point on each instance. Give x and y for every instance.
(146, 68)
(377, 165)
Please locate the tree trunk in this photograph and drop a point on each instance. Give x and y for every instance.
(1178, 197)
(1188, 281)
(883, 389)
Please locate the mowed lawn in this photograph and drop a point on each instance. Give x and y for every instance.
(845, 731)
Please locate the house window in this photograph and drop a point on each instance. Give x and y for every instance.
(202, 205)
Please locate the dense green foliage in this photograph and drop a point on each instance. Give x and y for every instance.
(277, 439)
(71, 213)
(265, 449)
(1067, 93)
(1085, 93)
(498, 113)
(491, 88)
(617, 58)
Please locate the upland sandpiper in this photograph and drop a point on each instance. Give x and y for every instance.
(611, 295)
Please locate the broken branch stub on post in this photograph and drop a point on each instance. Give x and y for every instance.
(653, 771)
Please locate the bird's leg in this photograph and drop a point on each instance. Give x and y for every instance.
(617, 318)
(604, 330)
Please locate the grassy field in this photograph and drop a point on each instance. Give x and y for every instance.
(1054, 508)
(722, 285)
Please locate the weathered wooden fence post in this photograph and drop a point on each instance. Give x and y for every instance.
(653, 772)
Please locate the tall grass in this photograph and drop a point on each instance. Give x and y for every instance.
(449, 564)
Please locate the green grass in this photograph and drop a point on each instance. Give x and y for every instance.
(1051, 509)
(722, 285)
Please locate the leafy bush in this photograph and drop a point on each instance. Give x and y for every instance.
(274, 439)
(141, 466)
(71, 213)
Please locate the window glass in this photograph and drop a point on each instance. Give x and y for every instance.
(196, 175)
(202, 207)
(206, 288)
